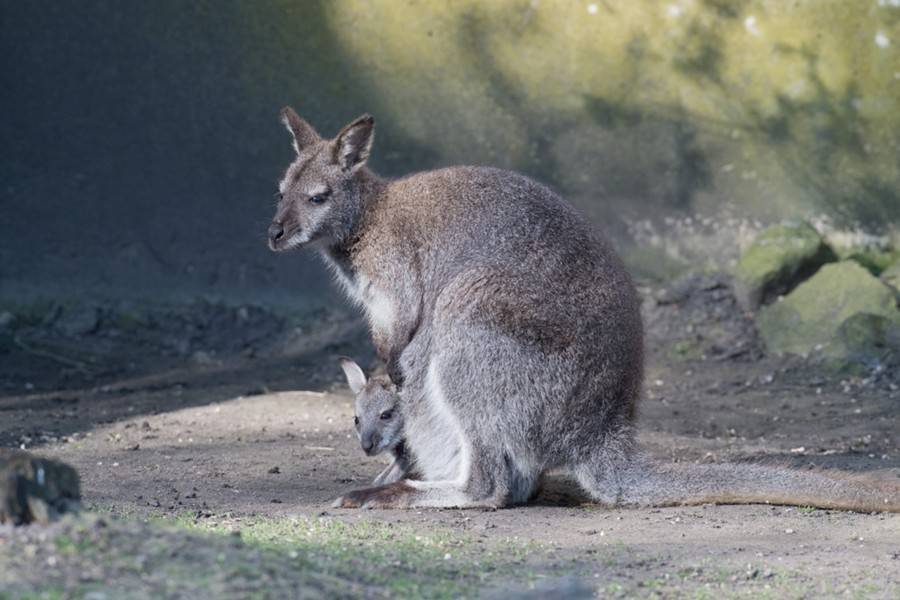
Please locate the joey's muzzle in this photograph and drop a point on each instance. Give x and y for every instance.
(368, 444)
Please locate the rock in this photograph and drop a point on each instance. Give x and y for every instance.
(653, 264)
(778, 259)
(201, 358)
(51, 315)
(864, 338)
(35, 490)
(891, 276)
(79, 321)
(875, 252)
(7, 320)
(815, 315)
(874, 260)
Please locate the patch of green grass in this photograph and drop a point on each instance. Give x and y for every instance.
(69, 545)
(686, 350)
(50, 594)
(614, 589)
(232, 557)
(432, 562)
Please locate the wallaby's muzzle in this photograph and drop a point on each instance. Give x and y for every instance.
(281, 237)
(276, 234)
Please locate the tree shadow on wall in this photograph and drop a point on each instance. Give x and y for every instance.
(819, 139)
(623, 165)
(816, 138)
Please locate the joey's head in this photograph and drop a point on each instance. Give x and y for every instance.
(378, 421)
(320, 195)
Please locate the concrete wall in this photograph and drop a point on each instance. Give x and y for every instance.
(141, 146)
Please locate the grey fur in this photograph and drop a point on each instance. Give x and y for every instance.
(515, 332)
(378, 420)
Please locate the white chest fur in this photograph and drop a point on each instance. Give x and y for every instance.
(379, 306)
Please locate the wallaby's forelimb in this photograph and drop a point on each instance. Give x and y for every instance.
(398, 469)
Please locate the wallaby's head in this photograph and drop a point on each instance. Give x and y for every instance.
(320, 196)
(378, 421)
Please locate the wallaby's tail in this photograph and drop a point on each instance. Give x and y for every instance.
(650, 483)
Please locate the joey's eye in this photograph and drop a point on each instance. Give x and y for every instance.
(356, 421)
(279, 196)
(319, 198)
(386, 415)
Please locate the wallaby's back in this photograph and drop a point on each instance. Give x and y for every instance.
(499, 247)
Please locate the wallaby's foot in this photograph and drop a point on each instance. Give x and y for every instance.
(413, 494)
(394, 495)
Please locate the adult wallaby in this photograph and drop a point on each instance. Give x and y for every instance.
(378, 420)
(515, 331)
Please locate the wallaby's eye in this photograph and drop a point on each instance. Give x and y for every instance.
(319, 198)
(279, 196)
(386, 415)
(356, 421)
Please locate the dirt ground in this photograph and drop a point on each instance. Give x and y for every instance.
(223, 439)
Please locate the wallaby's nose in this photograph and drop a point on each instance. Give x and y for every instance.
(276, 232)
(367, 445)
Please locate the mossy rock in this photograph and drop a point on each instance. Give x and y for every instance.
(811, 317)
(876, 261)
(779, 258)
(891, 276)
(864, 339)
(652, 264)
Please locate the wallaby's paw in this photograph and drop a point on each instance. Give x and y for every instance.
(388, 476)
(383, 478)
(394, 495)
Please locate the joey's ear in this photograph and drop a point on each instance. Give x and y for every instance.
(352, 144)
(355, 376)
(303, 132)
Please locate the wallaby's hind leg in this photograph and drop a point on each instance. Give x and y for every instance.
(606, 473)
(601, 487)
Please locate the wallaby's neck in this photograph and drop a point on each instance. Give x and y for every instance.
(370, 189)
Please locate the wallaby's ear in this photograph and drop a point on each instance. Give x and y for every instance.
(352, 144)
(303, 132)
(355, 376)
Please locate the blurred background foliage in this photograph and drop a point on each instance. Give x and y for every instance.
(141, 146)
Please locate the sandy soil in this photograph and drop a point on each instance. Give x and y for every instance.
(271, 436)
